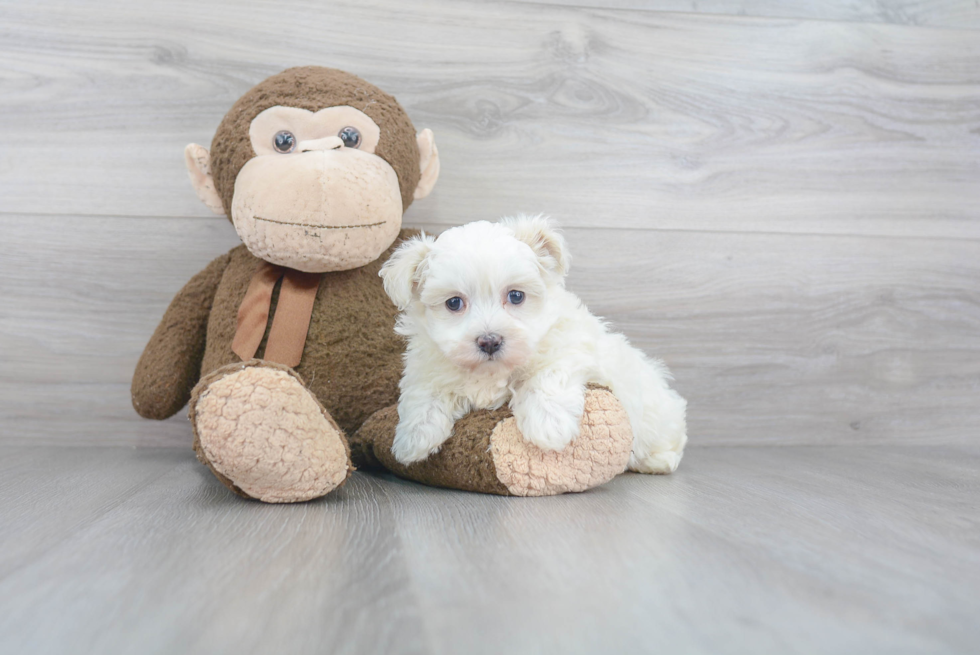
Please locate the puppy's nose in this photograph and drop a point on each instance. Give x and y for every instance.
(490, 343)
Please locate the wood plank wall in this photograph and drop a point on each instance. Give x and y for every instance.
(781, 199)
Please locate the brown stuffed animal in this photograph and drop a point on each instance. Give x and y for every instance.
(285, 346)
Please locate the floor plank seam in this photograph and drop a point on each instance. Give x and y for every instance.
(734, 17)
(603, 228)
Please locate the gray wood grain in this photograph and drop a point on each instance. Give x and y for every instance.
(783, 208)
(849, 340)
(49, 494)
(82, 295)
(958, 14)
(182, 565)
(754, 550)
(603, 117)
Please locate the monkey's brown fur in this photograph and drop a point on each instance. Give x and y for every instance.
(352, 359)
(314, 88)
(351, 362)
(352, 332)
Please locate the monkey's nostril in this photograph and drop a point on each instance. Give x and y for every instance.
(490, 343)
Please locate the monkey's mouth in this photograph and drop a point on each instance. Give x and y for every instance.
(319, 227)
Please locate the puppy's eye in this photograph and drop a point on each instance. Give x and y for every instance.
(350, 136)
(284, 142)
(516, 297)
(454, 304)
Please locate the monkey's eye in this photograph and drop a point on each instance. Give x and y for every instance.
(454, 304)
(350, 136)
(516, 297)
(284, 142)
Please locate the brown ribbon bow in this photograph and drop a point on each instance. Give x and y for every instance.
(291, 321)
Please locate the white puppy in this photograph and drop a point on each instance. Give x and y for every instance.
(488, 321)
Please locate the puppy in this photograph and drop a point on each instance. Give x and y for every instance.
(488, 321)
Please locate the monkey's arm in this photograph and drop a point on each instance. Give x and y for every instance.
(487, 452)
(171, 362)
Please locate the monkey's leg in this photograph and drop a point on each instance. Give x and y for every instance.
(265, 436)
(488, 454)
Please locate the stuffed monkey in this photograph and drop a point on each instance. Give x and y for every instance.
(285, 346)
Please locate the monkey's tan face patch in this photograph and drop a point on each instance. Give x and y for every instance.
(311, 129)
(322, 206)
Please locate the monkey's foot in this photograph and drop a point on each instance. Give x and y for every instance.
(487, 453)
(265, 436)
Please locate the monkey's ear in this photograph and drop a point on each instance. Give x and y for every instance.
(428, 163)
(198, 161)
(404, 270)
(541, 233)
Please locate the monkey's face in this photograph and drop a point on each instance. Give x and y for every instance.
(315, 168)
(315, 197)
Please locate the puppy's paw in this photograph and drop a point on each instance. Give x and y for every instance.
(549, 422)
(416, 441)
(661, 463)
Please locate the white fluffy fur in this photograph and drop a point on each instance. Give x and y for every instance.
(552, 346)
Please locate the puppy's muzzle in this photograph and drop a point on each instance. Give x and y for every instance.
(490, 343)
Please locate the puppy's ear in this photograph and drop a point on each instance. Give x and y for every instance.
(404, 270)
(541, 233)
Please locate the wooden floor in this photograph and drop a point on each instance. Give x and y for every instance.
(754, 550)
(781, 198)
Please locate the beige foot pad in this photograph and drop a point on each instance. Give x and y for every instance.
(598, 454)
(265, 435)
(488, 454)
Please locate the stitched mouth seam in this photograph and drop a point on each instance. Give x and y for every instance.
(319, 227)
